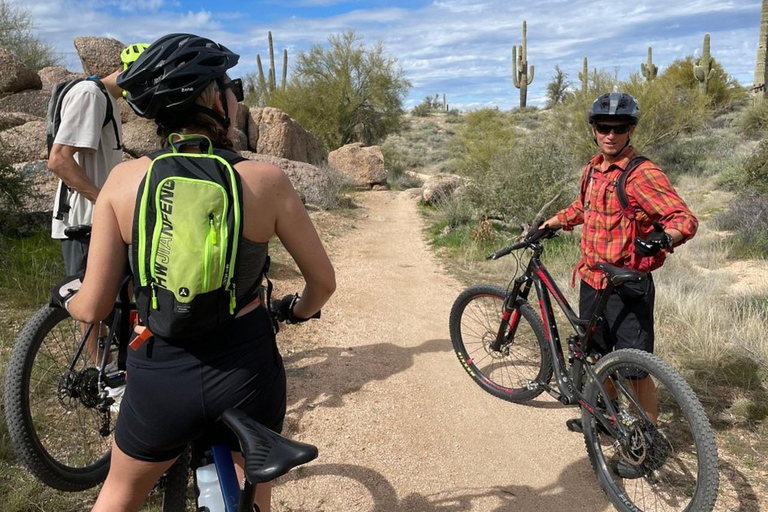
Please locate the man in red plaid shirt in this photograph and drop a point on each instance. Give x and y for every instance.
(609, 236)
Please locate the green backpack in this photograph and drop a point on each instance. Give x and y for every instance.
(186, 227)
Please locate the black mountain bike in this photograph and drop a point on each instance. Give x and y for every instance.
(61, 408)
(513, 352)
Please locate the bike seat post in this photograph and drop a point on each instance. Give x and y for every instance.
(225, 470)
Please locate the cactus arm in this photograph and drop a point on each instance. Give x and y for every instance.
(262, 82)
(271, 63)
(285, 68)
(530, 79)
(515, 78)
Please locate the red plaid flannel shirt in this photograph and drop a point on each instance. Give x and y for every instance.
(606, 235)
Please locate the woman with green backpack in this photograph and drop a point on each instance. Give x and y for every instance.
(193, 222)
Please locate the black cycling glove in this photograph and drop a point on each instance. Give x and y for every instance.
(63, 292)
(656, 241)
(282, 309)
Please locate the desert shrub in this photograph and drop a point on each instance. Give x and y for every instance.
(747, 217)
(519, 181)
(331, 195)
(722, 90)
(708, 152)
(17, 36)
(481, 136)
(753, 120)
(755, 174)
(14, 187)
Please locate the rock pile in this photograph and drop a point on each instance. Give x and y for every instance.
(261, 133)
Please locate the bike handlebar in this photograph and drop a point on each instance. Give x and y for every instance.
(528, 242)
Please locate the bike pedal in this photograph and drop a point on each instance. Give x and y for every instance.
(532, 385)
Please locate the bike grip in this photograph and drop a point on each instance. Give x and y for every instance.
(657, 226)
(500, 254)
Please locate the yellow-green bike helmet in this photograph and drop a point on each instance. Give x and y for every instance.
(130, 54)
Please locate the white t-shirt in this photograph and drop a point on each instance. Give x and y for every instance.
(82, 114)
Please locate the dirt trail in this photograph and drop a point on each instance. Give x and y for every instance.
(399, 425)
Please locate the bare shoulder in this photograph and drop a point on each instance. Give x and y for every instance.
(125, 177)
(262, 176)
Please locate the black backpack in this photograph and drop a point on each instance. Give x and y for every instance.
(53, 121)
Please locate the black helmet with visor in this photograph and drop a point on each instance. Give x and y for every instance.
(173, 72)
(615, 106)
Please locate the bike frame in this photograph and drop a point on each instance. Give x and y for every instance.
(569, 382)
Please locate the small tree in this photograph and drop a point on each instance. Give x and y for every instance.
(346, 92)
(16, 36)
(557, 88)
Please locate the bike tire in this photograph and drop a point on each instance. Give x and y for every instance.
(55, 437)
(176, 484)
(475, 318)
(685, 477)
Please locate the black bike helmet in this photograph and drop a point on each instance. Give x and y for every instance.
(615, 106)
(173, 72)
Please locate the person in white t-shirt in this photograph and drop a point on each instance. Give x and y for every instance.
(84, 151)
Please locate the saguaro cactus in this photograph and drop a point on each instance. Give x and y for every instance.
(649, 70)
(521, 77)
(703, 70)
(269, 83)
(584, 76)
(761, 69)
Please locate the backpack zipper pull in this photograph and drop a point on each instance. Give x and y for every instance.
(232, 299)
(213, 229)
(153, 286)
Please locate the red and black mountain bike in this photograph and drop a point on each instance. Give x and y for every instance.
(663, 460)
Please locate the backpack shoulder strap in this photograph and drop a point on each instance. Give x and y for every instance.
(621, 187)
(230, 156)
(110, 116)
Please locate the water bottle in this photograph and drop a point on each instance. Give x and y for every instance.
(210, 498)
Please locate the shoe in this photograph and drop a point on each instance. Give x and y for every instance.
(116, 394)
(658, 452)
(115, 380)
(575, 425)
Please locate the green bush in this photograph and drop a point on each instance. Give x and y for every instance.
(753, 120)
(520, 180)
(346, 92)
(16, 35)
(482, 135)
(722, 90)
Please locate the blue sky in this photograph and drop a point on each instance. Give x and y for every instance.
(458, 47)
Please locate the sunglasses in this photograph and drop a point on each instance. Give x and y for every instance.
(605, 129)
(237, 88)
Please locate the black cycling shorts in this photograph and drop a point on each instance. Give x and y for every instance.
(175, 395)
(628, 319)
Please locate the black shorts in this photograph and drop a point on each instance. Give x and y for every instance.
(75, 253)
(628, 320)
(175, 395)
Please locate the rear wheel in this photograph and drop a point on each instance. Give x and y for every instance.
(60, 421)
(669, 465)
(522, 361)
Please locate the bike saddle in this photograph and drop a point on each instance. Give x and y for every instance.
(619, 275)
(267, 454)
(79, 232)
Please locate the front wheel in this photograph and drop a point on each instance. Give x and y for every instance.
(58, 421)
(515, 371)
(668, 460)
